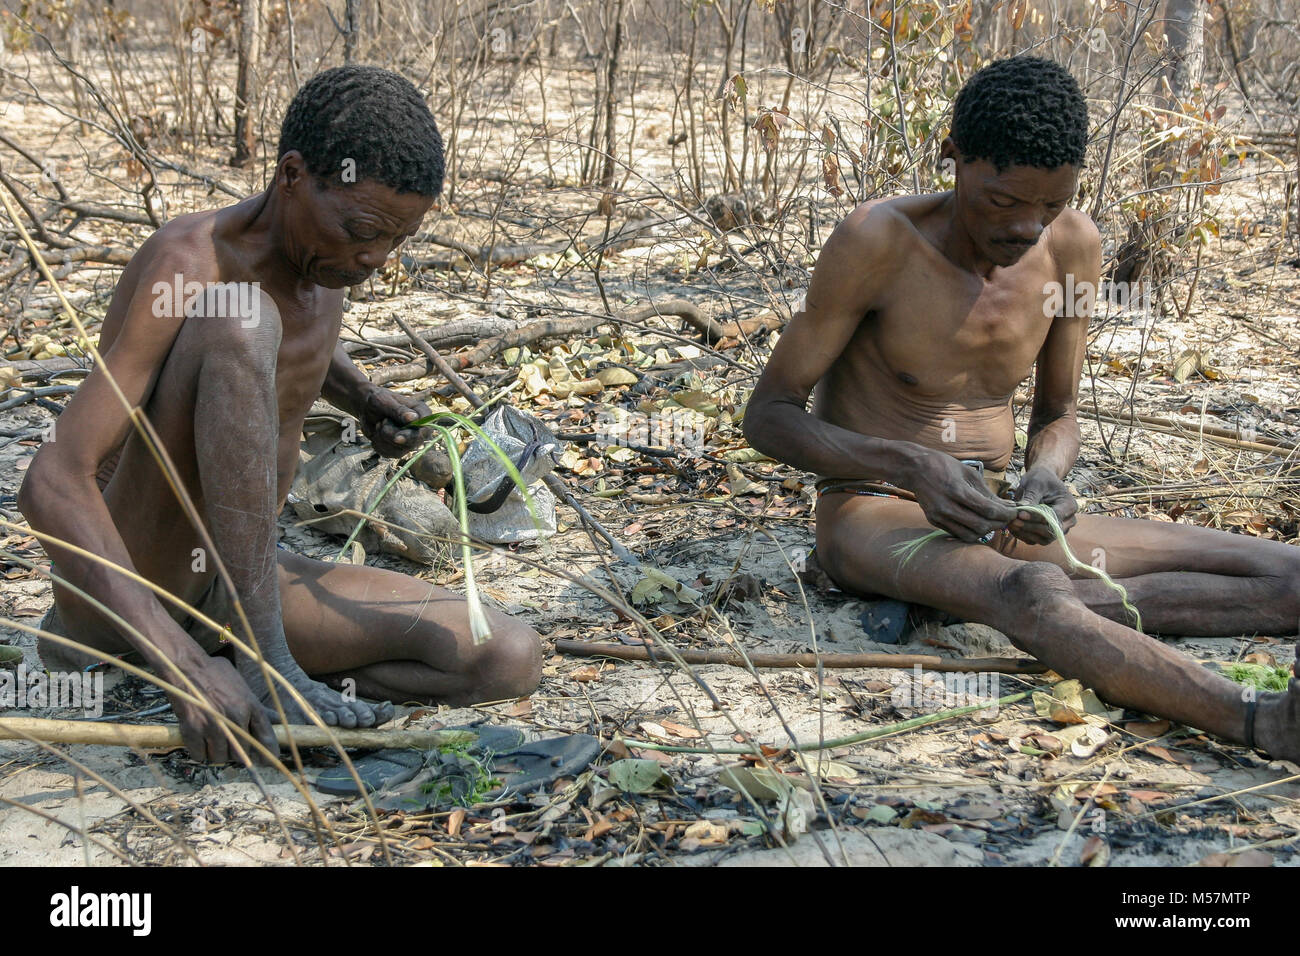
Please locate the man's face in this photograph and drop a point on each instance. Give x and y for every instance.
(1005, 212)
(338, 235)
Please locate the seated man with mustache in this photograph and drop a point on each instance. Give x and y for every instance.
(360, 164)
(923, 315)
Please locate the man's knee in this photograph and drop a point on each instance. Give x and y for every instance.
(1032, 591)
(510, 663)
(243, 343)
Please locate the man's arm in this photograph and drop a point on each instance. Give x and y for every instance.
(854, 267)
(849, 272)
(382, 413)
(61, 498)
(1053, 444)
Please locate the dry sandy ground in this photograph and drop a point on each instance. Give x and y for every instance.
(966, 798)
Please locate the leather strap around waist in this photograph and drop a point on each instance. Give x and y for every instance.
(995, 481)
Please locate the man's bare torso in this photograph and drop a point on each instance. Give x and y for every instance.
(937, 360)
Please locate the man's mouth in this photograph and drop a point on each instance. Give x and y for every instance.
(349, 278)
(1015, 249)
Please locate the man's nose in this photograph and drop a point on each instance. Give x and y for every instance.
(1027, 232)
(372, 258)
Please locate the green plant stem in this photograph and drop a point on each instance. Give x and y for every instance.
(908, 550)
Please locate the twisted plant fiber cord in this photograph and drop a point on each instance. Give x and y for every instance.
(907, 550)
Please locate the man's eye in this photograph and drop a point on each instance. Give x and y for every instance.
(1002, 203)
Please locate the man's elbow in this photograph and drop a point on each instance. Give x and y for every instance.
(40, 490)
(755, 426)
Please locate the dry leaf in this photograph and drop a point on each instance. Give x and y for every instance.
(706, 832)
(454, 822)
(520, 708)
(1245, 858)
(1148, 728)
(589, 672)
(677, 730)
(1095, 852)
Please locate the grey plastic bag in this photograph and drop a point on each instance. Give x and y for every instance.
(497, 512)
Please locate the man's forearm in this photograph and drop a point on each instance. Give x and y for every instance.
(1053, 445)
(90, 528)
(344, 383)
(793, 436)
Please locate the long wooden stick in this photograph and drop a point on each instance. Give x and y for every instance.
(1000, 665)
(168, 736)
(1210, 433)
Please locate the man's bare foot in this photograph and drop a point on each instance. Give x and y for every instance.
(332, 707)
(1277, 723)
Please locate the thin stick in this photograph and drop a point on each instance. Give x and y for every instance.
(1000, 665)
(440, 363)
(168, 736)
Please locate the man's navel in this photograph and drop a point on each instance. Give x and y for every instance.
(907, 379)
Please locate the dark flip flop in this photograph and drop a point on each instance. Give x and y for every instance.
(386, 769)
(453, 779)
(378, 771)
(542, 762)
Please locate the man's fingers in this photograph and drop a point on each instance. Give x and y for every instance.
(963, 527)
(218, 746)
(260, 726)
(196, 743)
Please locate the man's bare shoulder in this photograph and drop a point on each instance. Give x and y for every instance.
(189, 243)
(883, 224)
(1076, 243)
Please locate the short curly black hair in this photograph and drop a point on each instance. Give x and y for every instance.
(1022, 111)
(374, 117)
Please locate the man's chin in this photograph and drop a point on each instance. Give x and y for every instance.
(340, 280)
(1009, 256)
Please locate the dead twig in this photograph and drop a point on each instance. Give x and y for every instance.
(1000, 665)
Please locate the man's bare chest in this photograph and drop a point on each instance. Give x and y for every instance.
(985, 337)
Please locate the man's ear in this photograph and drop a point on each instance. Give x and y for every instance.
(291, 171)
(949, 158)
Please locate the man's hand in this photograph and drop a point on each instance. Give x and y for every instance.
(384, 416)
(1042, 486)
(956, 500)
(220, 684)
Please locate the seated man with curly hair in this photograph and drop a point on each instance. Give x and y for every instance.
(923, 316)
(226, 387)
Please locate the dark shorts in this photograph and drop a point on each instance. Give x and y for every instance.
(996, 482)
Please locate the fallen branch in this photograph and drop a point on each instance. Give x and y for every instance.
(449, 335)
(47, 368)
(1211, 433)
(495, 255)
(998, 665)
(440, 363)
(526, 335)
(168, 736)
